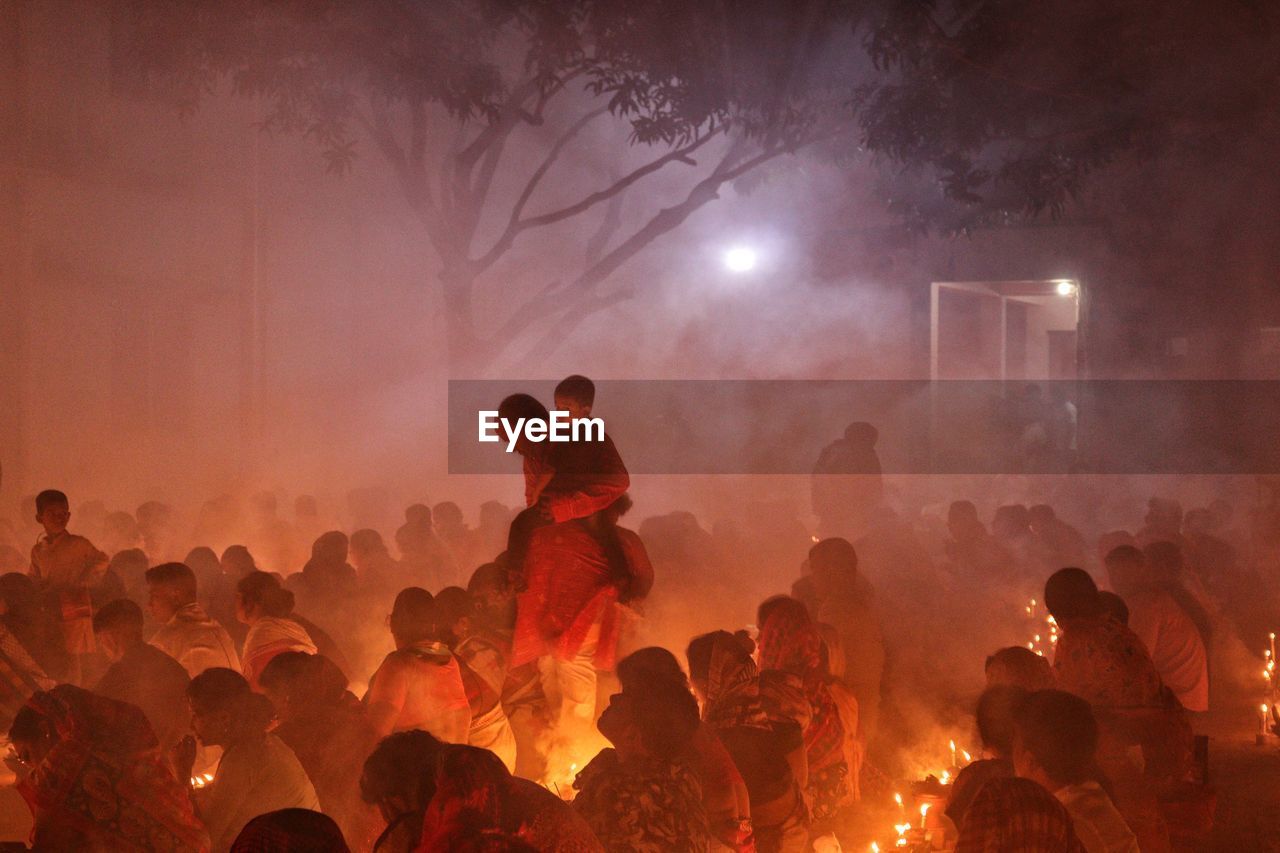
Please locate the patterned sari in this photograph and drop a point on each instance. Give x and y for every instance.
(104, 778)
(646, 805)
(733, 689)
(790, 643)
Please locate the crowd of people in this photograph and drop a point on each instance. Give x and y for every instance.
(450, 695)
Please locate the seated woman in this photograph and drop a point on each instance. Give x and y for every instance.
(91, 771)
(724, 793)
(419, 685)
(474, 791)
(643, 794)
(257, 773)
(266, 607)
(1107, 665)
(766, 752)
(995, 716)
(791, 645)
(399, 779)
(329, 732)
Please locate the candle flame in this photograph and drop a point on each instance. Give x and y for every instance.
(967, 756)
(946, 777)
(897, 798)
(875, 848)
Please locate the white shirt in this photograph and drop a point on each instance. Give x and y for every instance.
(1098, 824)
(1175, 646)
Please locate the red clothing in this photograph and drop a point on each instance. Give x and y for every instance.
(571, 587)
(587, 477)
(104, 782)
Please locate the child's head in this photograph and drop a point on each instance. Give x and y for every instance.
(53, 510)
(997, 709)
(575, 395)
(1055, 738)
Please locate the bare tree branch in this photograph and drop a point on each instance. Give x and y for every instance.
(517, 225)
(504, 242)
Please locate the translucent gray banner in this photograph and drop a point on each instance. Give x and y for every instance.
(945, 427)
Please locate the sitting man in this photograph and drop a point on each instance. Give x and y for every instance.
(141, 674)
(187, 634)
(1163, 626)
(1054, 741)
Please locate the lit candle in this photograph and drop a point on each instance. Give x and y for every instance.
(875, 848)
(902, 808)
(946, 777)
(924, 812)
(953, 754)
(967, 757)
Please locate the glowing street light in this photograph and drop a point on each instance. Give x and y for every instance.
(740, 259)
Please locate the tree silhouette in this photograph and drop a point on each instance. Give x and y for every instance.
(986, 110)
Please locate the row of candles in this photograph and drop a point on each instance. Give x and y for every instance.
(1037, 643)
(908, 835)
(1268, 673)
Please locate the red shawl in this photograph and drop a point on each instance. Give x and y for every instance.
(105, 777)
(570, 588)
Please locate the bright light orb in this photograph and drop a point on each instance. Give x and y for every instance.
(740, 259)
(1066, 288)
